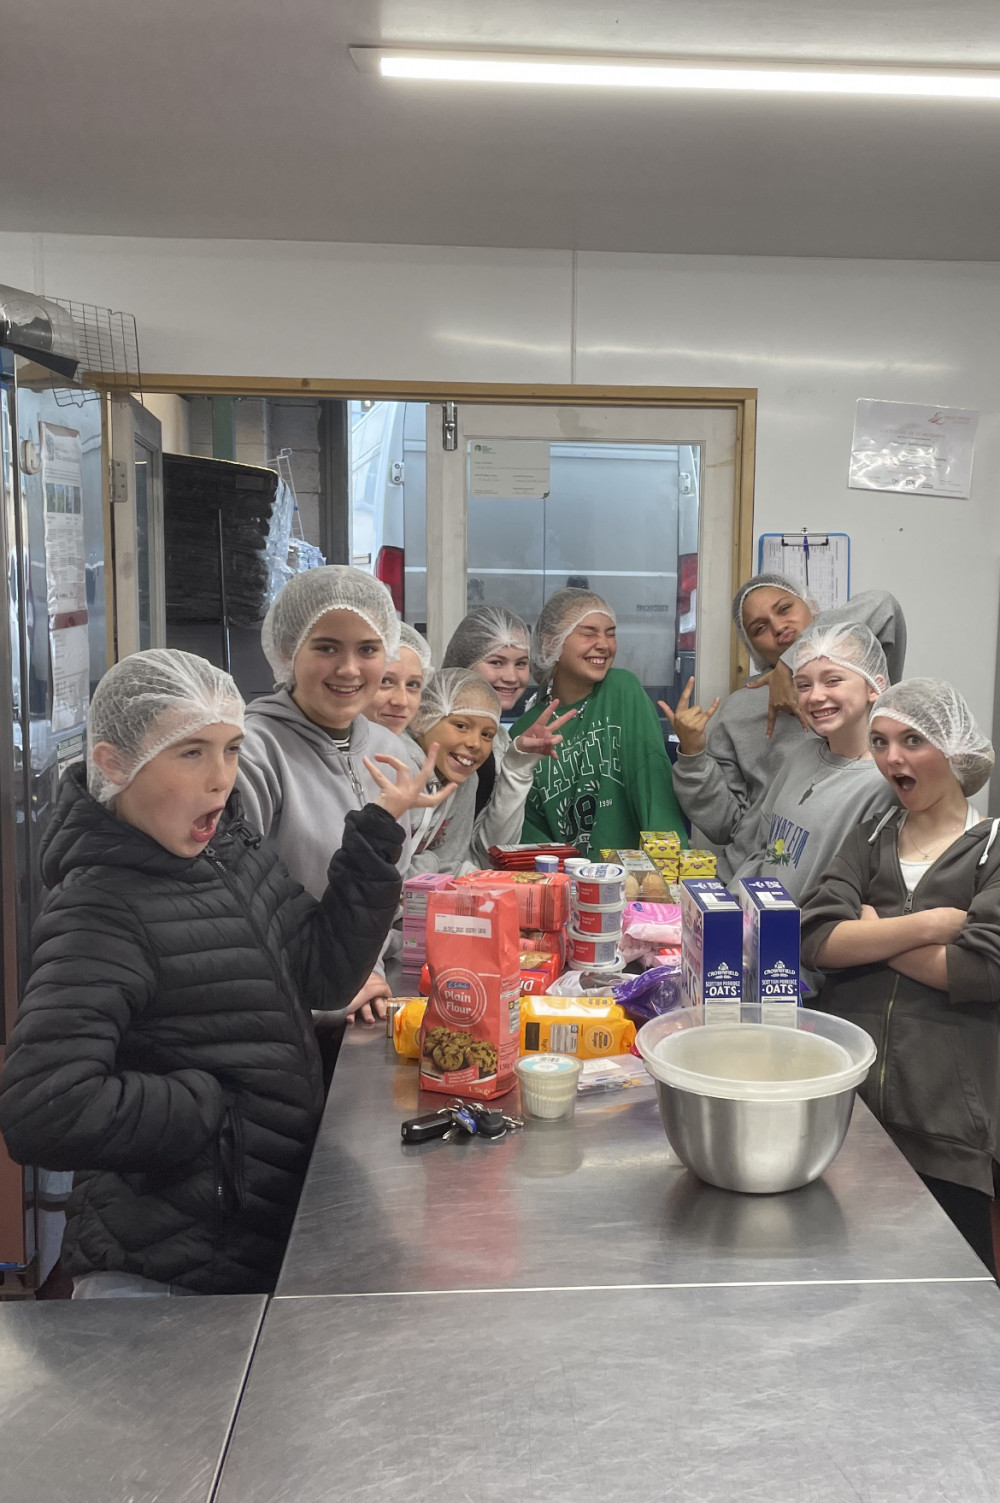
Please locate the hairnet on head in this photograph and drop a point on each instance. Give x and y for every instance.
(561, 615)
(943, 718)
(417, 645)
(848, 644)
(765, 582)
(150, 701)
(307, 597)
(491, 628)
(454, 691)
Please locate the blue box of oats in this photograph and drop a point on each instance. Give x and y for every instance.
(771, 921)
(711, 949)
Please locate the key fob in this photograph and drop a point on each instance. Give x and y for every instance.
(423, 1129)
(492, 1124)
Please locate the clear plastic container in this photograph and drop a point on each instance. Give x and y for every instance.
(818, 1055)
(548, 1085)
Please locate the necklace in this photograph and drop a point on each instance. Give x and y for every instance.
(936, 845)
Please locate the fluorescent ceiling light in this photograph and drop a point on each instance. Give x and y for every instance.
(648, 73)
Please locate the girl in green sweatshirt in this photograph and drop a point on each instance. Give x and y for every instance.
(612, 776)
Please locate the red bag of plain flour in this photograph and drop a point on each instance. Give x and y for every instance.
(471, 1031)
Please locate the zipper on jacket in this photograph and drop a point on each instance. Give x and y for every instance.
(886, 1020)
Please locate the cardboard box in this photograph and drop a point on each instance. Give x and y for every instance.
(771, 924)
(711, 950)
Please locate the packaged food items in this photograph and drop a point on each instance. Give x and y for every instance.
(657, 923)
(406, 1027)
(663, 847)
(414, 946)
(600, 882)
(594, 949)
(597, 918)
(539, 968)
(695, 863)
(542, 897)
(642, 880)
(586, 1027)
(711, 950)
(548, 1085)
(471, 1029)
(551, 940)
(654, 992)
(522, 857)
(548, 864)
(771, 923)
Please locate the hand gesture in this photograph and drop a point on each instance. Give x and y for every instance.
(783, 699)
(688, 721)
(408, 791)
(539, 739)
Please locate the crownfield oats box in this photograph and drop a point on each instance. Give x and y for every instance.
(711, 949)
(771, 921)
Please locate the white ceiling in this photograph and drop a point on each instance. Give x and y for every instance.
(247, 119)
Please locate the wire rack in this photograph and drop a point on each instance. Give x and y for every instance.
(107, 348)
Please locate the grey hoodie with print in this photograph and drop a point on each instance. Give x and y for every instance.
(722, 788)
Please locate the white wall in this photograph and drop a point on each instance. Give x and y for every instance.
(811, 335)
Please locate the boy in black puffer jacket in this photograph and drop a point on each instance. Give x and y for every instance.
(165, 1048)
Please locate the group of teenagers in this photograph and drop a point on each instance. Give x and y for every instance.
(224, 884)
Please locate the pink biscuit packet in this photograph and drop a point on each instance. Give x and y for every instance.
(653, 923)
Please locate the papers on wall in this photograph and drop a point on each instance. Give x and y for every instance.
(62, 487)
(818, 561)
(924, 451)
(70, 651)
(509, 469)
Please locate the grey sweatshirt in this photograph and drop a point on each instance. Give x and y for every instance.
(720, 788)
(450, 838)
(298, 788)
(813, 803)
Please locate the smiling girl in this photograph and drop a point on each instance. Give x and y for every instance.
(612, 776)
(398, 696)
(496, 644)
(327, 637)
(829, 781)
(460, 713)
(905, 924)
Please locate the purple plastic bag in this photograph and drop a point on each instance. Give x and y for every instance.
(651, 994)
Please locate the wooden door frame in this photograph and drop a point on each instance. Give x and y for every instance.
(742, 400)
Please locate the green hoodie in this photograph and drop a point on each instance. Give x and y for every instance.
(612, 777)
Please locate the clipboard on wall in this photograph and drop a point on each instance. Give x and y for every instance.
(818, 561)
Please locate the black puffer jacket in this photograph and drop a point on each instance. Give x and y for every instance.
(165, 1049)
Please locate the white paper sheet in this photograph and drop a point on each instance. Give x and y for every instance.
(924, 451)
(62, 486)
(70, 651)
(509, 469)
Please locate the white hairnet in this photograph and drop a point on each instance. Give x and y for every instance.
(150, 701)
(489, 629)
(412, 639)
(849, 644)
(942, 716)
(454, 691)
(307, 597)
(561, 615)
(765, 582)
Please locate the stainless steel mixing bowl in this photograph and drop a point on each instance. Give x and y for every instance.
(759, 1147)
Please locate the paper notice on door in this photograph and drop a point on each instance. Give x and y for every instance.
(70, 651)
(509, 469)
(922, 451)
(62, 486)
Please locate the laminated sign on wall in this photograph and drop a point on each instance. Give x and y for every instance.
(900, 446)
(66, 574)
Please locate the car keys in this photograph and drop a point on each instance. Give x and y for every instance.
(444, 1123)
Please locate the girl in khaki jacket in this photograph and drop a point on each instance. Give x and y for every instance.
(905, 924)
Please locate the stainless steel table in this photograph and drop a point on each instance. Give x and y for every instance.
(120, 1400)
(885, 1394)
(593, 1202)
